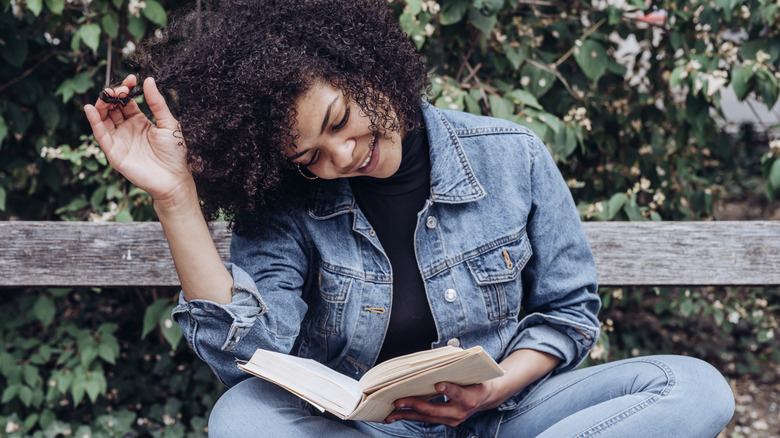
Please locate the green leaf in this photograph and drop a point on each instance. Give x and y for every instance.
(90, 34)
(488, 7)
(9, 393)
(2, 198)
(25, 395)
(107, 353)
(170, 330)
(123, 216)
(14, 47)
(88, 354)
(136, 26)
(592, 59)
(719, 316)
(500, 107)
(453, 11)
(525, 98)
(740, 80)
(55, 6)
(516, 56)
(152, 316)
(44, 310)
(97, 198)
(92, 387)
(3, 130)
(483, 22)
(110, 25)
(49, 113)
(155, 13)
(686, 307)
(31, 375)
(774, 174)
(35, 6)
(415, 6)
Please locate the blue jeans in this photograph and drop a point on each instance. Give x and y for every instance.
(654, 396)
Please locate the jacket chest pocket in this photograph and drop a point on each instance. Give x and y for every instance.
(328, 312)
(497, 274)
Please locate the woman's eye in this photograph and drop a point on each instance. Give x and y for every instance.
(313, 158)
(343, 121)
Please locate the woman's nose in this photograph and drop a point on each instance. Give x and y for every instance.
(341, 154)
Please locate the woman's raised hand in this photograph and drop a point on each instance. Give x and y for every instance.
(153, 157)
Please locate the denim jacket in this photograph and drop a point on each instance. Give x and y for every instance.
(502, 253)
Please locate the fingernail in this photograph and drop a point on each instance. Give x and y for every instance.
(401, 405)
(442, 388)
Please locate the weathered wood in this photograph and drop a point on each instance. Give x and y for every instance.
(90, 254)
(627, 253)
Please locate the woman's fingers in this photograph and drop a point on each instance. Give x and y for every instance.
(99, 128)
(159, 108)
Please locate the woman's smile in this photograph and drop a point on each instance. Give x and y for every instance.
(336, 138)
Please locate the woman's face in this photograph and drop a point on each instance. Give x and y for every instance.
(335, 140)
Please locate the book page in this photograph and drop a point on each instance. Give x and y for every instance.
(308, 379)
(398, 367)
(473, 368)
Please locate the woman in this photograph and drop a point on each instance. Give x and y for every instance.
(368, 225)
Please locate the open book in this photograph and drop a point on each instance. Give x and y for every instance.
(371, 398)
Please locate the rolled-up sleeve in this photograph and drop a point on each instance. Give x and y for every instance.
(559, 282)
(266, 308)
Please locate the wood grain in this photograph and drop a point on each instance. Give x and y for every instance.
(627, 253)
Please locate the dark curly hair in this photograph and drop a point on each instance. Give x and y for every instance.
(232, 73)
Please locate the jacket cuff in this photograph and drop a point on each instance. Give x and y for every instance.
(223, 324)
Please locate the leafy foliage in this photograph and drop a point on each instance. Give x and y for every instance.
(629, 107)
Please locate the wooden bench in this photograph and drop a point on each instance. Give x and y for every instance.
(627, 253)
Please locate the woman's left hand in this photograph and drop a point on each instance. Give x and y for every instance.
(522, 367)
(462, 403)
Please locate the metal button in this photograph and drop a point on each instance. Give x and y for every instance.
(450, 295)
(454, 342)
(371, 232)
(431, 222)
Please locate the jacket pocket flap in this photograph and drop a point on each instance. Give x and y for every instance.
(502, 263)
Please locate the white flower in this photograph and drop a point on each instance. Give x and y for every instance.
(429, 29)
(597, 352)
(715, 81)
(135, 6)
(745, 12)
(734, 317)
(774, 146)
(11, 427)
(644, 184)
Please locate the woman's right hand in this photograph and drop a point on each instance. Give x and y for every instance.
(153, 157)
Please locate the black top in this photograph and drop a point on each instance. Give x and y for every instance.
(391, 206)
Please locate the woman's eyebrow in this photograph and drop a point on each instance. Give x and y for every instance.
(327, 115)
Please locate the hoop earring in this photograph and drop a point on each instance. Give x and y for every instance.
(310, 178)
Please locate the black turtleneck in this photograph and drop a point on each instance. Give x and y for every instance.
(391, 206)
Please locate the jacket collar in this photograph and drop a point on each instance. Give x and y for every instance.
(452, 179)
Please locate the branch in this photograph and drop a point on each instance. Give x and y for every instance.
(584, 36)
(557, 74)
(27, 72)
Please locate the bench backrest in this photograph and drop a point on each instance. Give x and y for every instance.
(627, 253)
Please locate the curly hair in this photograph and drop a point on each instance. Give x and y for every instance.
(232, 73)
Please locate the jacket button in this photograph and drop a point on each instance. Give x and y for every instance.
(450, 295)
(454, 342)
(431, 222)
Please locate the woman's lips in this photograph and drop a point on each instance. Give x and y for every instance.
(373, 156)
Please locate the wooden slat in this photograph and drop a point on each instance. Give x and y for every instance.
(627, 253)
(90, 254)
(686, 253)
